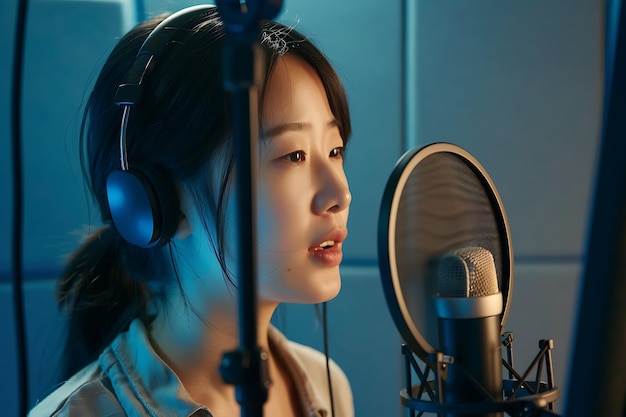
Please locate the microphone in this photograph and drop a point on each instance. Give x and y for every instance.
(469, 305)
(446, 264)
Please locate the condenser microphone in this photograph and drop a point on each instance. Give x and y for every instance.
(446, 264)
(469, 305)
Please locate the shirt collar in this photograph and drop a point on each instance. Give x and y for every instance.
(143, 383)
(146, 385)
(309, 397)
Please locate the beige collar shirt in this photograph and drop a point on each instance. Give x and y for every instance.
(130, 379)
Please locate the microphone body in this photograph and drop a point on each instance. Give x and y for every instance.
(468, 311)
(475, 346)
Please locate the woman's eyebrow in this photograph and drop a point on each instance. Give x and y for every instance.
(286, 127)
(294, 127)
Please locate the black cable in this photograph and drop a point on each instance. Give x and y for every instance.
(17, 237)
(330, 384)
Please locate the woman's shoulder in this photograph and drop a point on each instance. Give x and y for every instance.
(308, 367)
(87, 393)
(314, 362)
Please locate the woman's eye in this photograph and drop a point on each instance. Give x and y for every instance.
(338, 152)
(297, 156)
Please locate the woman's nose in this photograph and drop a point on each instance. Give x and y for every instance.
(333, 195)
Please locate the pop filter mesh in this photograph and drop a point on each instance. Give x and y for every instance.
(444, 206)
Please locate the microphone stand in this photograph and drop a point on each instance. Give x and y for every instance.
(523, 397)
(246, 367)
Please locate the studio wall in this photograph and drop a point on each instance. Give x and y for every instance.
(519, 85)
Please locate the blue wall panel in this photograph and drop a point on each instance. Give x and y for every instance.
(66, 43)
(520, 86)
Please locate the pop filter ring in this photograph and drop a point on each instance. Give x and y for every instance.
(387, 245)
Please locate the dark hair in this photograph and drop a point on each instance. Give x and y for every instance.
(182, 127)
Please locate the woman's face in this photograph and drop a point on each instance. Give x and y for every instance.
(303, 198)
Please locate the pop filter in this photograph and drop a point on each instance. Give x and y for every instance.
(442, 223)
(437, 199)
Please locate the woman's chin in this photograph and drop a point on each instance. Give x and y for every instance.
(310, 295)
(320, 294)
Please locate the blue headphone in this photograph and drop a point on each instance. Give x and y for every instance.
(142, 200)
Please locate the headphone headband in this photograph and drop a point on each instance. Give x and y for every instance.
(129, 92)
(143, 202)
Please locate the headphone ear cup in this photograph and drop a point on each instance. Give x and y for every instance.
(144, 205)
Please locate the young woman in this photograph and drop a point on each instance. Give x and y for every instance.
(148, 326)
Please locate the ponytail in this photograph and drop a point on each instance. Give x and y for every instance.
(99, 296)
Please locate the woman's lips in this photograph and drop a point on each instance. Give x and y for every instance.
(328, 251)
(331, 256)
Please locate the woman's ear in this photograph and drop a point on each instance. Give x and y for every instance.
(184, 226)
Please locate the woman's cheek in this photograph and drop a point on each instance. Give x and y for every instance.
(283, 206)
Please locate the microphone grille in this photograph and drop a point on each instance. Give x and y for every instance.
(468, 272)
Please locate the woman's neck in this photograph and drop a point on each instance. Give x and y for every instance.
(193, 342)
